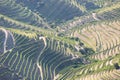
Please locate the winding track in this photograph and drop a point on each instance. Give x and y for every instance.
(40, 67)
(6, 37)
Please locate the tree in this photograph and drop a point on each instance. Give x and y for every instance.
(116, 66)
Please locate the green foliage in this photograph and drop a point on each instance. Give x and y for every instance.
(83, 48)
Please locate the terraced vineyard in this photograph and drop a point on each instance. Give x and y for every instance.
(59, 40)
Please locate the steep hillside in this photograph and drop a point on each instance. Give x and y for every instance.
(59, 39)
(103, 14)
(16, 11)
(55, 10)
(33, 57)
(63, 10)
(104, 39)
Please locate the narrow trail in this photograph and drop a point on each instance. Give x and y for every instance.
(38, 65)
(95, 16)
(6, 37)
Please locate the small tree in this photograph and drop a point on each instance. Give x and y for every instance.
(116, 66)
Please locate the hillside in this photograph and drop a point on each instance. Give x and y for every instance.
(59, 39)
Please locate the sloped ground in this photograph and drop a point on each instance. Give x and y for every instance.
(85, 48)
(105, 40)
(35, 59)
